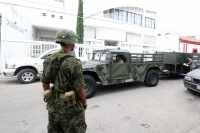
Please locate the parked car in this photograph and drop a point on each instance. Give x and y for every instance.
(27, 68)
(192, 80)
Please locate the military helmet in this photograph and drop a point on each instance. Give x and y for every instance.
(66, 36)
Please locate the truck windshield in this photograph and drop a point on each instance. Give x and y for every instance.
(105, 57)
(96, 56)
(37, 55)
(101, 56)
(47, 53)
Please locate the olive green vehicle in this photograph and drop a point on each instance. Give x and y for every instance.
(136, 67)
(174, 62)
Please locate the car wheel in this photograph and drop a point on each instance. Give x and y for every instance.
(26, 76)
(151, 78)
(90, 87)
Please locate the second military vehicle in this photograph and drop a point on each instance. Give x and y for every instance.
(174, 62)
(136, 67)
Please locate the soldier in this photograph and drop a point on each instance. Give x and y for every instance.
(65, 116)
(190, 63)
(119, 59)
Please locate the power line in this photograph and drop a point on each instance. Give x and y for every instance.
(56, 7)
(102, 18)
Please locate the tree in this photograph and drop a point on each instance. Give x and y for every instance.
(79, 25)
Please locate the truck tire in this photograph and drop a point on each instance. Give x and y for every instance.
(90, 87)
(151, 78)
(26, 76)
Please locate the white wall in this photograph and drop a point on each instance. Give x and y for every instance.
(89, 33)
(15, 25)
(110, 34)
(170, 41)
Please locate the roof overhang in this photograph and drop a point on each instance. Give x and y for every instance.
(189, 40)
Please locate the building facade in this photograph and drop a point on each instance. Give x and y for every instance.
(129, 23)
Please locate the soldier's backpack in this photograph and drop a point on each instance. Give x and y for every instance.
(55, 64)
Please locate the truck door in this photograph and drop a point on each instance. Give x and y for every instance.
(119, 70)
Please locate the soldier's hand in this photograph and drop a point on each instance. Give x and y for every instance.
(85, 105)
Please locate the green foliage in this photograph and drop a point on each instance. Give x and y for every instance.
(79, 26)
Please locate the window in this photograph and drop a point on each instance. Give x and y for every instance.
(149, 40)
(130, 17)
(53, 16)
(111, 43)
(116, 14)
(123, 15)
(105, 14)
(138, 19)
(61, 17)
(44, 14)
(150, 23)
(111, 13)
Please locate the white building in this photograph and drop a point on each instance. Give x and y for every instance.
(179, 43)
(127, 23)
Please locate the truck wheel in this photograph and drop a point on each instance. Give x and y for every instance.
(26, 76)
(90, 87)
(151, 78)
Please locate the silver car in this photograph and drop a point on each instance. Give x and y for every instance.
(192, 80)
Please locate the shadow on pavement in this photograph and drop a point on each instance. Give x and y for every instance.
(102, 90)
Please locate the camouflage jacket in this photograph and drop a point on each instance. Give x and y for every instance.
(72, 77)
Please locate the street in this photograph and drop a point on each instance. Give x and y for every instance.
(124, 108)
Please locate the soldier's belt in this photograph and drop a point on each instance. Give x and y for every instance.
(70, 97)
(59, 95)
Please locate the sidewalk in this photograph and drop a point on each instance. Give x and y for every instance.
(2, 76)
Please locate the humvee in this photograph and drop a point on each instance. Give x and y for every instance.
(136, 67)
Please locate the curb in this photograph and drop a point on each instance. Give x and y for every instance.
(3, 77)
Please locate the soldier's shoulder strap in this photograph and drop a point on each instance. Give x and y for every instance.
(60, 61)
(60, 70)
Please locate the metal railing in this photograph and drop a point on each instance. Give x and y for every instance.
(17, 49)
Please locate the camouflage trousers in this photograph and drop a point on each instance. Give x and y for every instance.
(63, 123)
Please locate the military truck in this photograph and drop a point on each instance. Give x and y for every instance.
(136, 67)
(174, 62)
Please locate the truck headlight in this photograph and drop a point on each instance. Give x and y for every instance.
(10, 65)
(188, 78)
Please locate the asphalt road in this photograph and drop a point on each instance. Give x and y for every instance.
(124, 108)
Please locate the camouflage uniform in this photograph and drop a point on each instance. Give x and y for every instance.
(192, 65)
(64, 119)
